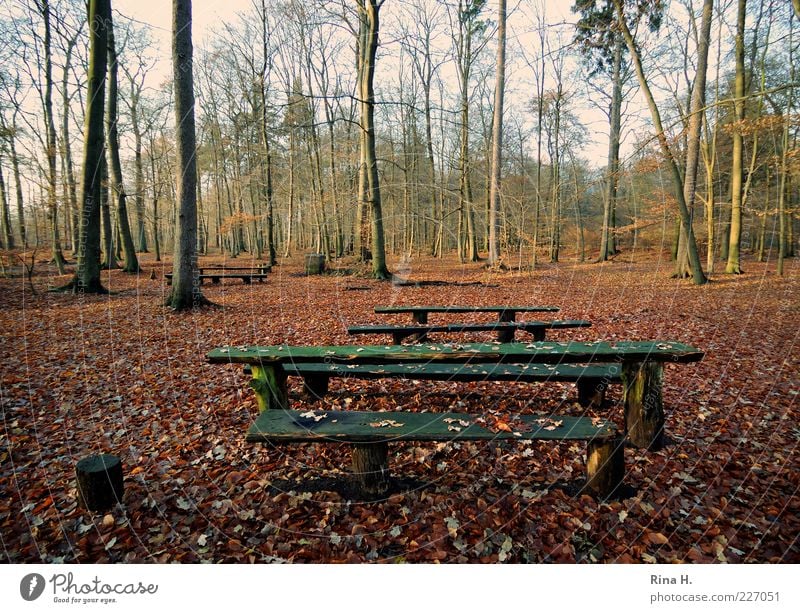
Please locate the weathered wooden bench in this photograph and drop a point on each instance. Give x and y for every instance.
(370, 433)
(641, 368)
(506, 329)
(505, 313)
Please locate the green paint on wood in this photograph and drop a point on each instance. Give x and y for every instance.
(367, 427)
(596, 373)
(514, 353)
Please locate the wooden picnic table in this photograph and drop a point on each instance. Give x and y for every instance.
(505, 313)
(370, 432)
(641, 367)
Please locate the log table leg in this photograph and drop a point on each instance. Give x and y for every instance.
(644, 405)
(371, 468)
(316, 386)
(591, 392)
(418, 317)
(506, 336)
(99, 479)
(269, 384)
(605, 465)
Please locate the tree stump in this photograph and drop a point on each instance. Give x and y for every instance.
(315, 263)
(605, 465)
(371, 468)
(99, 479)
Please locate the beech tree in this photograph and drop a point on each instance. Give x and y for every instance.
(369, 25)
(87, 273)
(497, 137)
(698, 276)
(131, 261)
(185, 292)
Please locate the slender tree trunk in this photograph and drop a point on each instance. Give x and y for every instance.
(110, 262)
(141, 233)
(87, 274)
(58, 256)
(72, 197)
(497, 137)
(185, 282)
(131, 261)
(785, 246)
(735, 237)
(696, 110)
(23, 235)
(697, 272)
(369, 10)
(607, 243)
(5, 220)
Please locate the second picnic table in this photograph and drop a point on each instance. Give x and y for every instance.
(419, 314)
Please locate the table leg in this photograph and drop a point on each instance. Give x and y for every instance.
(644, 405)
(269, 384)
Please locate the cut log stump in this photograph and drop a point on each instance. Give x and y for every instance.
(315, 263)
(99, 479)
(605, 465)
(371, 468)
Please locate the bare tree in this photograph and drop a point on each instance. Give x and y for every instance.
(497, 137)
(185, 292)
(686, 222)
(87, 274)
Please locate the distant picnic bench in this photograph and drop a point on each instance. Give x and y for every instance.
(640, 363)
(505, 313)
(216, 273)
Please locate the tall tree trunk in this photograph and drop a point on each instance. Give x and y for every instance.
(72, 197)
(607, 243)
(735, 237)
(696, 110)
(110, 262)
(497, 137)
(58, 256)
(131, 261)
(87, 273)
(185, 292)
(5, 218)
(141, 233)
(697, 272)
(23, 234)
(784, 218)
(369, 11)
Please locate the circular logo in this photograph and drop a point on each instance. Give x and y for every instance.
(31, 586)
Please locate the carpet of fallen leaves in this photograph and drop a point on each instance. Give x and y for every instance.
(122, 374)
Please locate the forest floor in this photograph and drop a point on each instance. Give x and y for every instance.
(122, 374)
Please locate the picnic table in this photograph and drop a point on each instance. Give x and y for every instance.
(216, 273)
(505, 313)
(641, 365)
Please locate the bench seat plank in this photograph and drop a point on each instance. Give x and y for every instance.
(371, 427)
